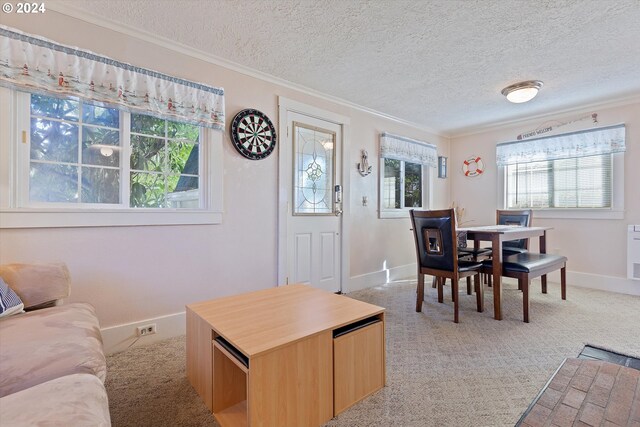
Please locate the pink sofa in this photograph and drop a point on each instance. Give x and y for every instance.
(52, 365)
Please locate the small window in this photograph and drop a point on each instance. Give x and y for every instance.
(76, 158)
(402, 185)
(406, 167)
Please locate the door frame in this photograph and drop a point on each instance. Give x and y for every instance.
(285, 162)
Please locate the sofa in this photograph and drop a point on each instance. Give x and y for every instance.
(52, 364)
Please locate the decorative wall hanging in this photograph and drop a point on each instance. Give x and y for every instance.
(473, 166)
(546, 128)
(407, 149)
(363, 166)
(37, 65)
(442, 167)
(253, 134)
(589, 142)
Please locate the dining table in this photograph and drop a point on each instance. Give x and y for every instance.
(497, 234)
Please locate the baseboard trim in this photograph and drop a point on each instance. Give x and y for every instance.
(601, 282)
(121, 337)
(619, 285)
(380, 277)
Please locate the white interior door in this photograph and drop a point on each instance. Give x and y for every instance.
(314, 211)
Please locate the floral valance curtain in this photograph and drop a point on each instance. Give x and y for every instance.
(590, 142)
(407, 149)
(38, 65)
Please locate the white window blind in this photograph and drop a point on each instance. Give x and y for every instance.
(583, 182)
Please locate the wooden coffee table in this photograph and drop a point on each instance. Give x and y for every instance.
(287, 356)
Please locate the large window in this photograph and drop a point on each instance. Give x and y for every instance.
(573, 175)
(75, 157)
(583, 182)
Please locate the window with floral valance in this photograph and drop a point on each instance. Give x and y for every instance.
(37, 65)
(404, 174)
(98, 135)
(572, 171)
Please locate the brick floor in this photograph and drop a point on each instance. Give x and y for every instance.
(588, 393)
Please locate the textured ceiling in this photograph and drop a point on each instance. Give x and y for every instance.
(440, 64)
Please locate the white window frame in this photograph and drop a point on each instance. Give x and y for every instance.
(16, 212)
(616, 211)
(427, 191)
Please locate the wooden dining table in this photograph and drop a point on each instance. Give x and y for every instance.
(496, 234)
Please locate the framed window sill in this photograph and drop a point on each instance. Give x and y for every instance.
(578, 213)
(60, 218)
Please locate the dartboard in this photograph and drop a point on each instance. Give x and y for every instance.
(253, 134)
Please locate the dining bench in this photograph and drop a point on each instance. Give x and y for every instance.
(528, 266)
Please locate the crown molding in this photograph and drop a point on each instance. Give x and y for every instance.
(175, 46)
(611, 103)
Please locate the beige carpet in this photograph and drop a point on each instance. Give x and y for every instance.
(481, 372)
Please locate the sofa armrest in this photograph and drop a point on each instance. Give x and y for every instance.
(37, 285)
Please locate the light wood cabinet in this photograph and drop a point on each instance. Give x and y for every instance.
(292, 356)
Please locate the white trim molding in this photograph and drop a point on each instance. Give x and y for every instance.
(380, 277)
(555, 114)
(121, 337)
(167, 43)
(619, 285)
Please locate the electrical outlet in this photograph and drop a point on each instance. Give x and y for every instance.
(149, 329)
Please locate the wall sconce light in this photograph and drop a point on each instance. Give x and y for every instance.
(363, 166)
(442, 167)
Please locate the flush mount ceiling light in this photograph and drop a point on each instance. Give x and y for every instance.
(523, 91)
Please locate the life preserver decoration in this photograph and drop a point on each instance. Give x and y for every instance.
(473, 166)
(253, 134)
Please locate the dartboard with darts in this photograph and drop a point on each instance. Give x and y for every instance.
(253, 134)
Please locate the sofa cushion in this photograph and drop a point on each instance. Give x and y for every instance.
(37, 284)
(45, 344)
(10, 303)
(73, 400)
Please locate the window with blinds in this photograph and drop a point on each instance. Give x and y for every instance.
(580, 170)
(578, 182)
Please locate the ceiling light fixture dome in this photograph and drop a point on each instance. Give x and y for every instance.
(523, 91)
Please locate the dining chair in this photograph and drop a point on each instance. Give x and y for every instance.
(514, 217)
(526, 266)
(437, 255)
(507, 217)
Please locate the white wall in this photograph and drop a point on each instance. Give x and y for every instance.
(596, 248)
(134, 273)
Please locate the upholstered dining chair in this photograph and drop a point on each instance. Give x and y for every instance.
(437, 255)
(505, 217)
(514, 217)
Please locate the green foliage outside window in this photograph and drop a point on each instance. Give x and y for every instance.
(162, 154)
(76, 148)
